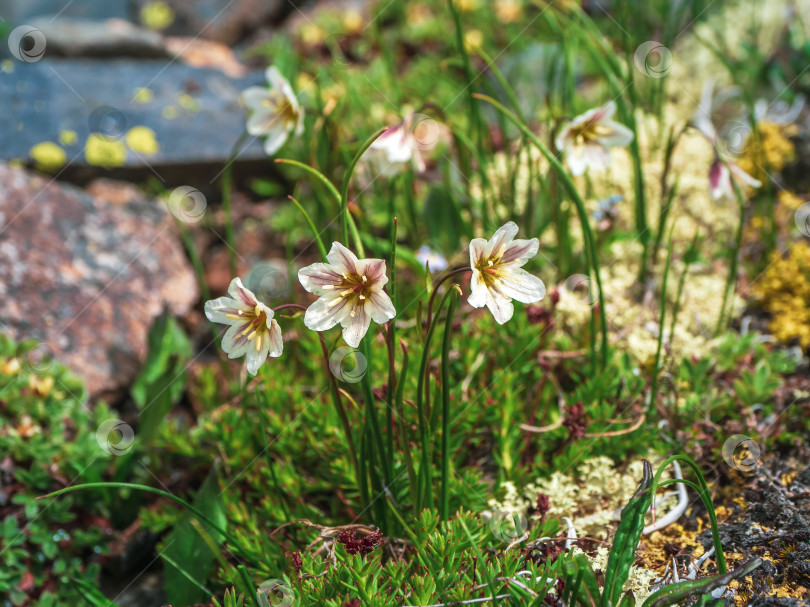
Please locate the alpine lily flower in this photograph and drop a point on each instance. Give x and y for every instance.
(435, 261)
(350, 293)
(497, 274)
(720, 178)
(253, 332)
(397, 147)
(586, 139)
(274, 112)
(723, 172)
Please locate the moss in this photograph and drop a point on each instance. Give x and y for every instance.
(157, 15)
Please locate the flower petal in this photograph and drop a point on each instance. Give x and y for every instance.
(380, 307)
(320, 278)
(374, 271)
(355, 327)
(254, 97)
(519, 251)
(478, 247)
(518, 284)
(240, 293)
(235, 342)
(276, 138)
(502, 237)
(501, 307)
(274, 338)
(478, 290)
(343, 260)
(619, 135)
(217, 310)
(321, 316)
(576, 159)
(745, 177)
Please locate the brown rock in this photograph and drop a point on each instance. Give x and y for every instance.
(86, 276)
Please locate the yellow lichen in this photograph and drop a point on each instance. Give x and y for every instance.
(767, 150)
(103, 152)
(142, 140)
(10, 366)
(68, 137)
(783, 290)
(157, 15)
(48, 156)
(187, 102)
(143, 95)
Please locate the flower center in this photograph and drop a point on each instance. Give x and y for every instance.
(355, 289)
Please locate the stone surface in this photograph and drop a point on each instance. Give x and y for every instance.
(106, 38)
(87, 275)
(21, 11)
(226, 21)
(192, 115)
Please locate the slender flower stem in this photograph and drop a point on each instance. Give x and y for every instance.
(344, 198)
(341, 410)
(441, 280)
(227, 181)
(444, 502)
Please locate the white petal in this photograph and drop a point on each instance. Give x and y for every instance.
(255, 358)
(240, 293)
(745, 177)
(596, 157)
(620, 135)
(519, 251)
(216, 310)
(500, 306)
(255, 96)
(355, 327)
(478, 291)
(519, 284)
(235, 342)
(374, 271)
(478, 248)
(343, 260)
(502, 237)
(261, 122)
(318, 277)
(275, 139)
(576, 160)
(274, 338)
(564, 138)
(380, 307)
(320, 316)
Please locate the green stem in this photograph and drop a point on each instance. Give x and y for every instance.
(227, 181)
(146, 489)
(581, 211)
(344, 198)
(444, 503)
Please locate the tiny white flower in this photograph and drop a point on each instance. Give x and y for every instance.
(392, 152)
(435, 261)
(720, 179)
(253, 332)
(274, 112)
(350, 293)
(586, 139)
(497, 274)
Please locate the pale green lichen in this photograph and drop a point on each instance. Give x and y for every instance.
(143, 95)
(68, 137)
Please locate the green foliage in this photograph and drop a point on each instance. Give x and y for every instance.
(47, 440)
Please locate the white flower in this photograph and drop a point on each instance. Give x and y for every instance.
(586, 139)
(274, 111)
(434, 260)
(720, 179)
(350, 292)
(253, 333)
(394, 150)
(497, 277)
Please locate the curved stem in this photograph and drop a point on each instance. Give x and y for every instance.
(441, 280)
(344, 198)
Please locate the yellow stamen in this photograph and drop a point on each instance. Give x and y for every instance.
(233, 316)
(259, 343)
(490, 263)
(346, 293)
(334, 302)
(252, 335)
(362, 297)
(365, 280)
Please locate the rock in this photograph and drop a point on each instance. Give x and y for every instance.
(206, 53)
(65, 37)
(21, 11)
(226, 21)
(123, 115)
(86, 275)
